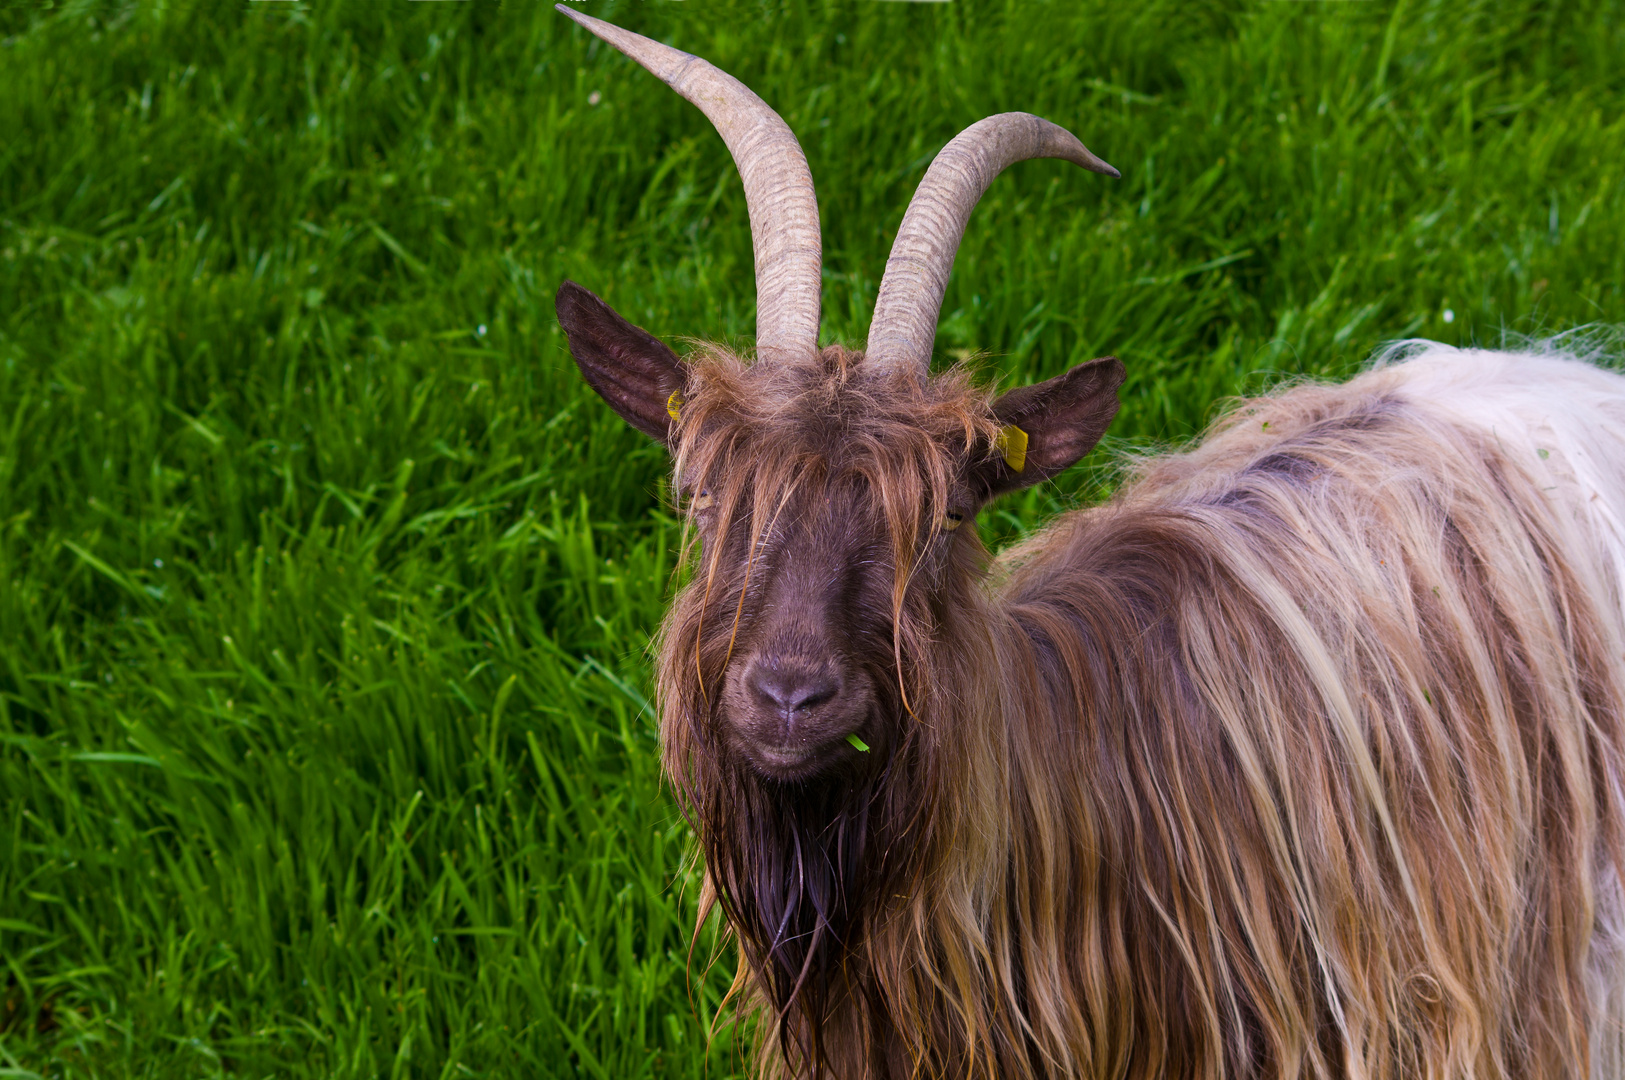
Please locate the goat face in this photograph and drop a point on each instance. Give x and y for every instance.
(826, 497)
(812, 602)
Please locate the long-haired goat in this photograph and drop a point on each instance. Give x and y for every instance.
(1302, 757)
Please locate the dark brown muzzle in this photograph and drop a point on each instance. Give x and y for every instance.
(797, 685)
(790, 706)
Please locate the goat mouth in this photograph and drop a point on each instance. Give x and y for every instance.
(798, 762)
(789, 763)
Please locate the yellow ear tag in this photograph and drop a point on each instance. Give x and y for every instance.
(675, 402)
(1013, 441)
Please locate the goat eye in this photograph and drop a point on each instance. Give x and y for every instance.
(951, 521)
(702, 501)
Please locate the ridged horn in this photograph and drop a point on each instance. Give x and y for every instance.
(778, 188)
(905, 322)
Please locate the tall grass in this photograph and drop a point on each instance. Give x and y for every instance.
(326, 586)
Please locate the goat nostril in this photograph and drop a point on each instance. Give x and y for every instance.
(789, 690)
(814, 695)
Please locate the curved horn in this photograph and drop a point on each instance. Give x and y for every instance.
(905, 322)
(778, 188)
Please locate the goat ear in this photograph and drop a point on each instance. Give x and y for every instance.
(630, 368)
(1060, 421)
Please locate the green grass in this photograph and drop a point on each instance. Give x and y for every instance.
(326, 586)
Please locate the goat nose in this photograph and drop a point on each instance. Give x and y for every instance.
(790, 688)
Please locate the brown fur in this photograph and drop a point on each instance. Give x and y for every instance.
(1298, 759)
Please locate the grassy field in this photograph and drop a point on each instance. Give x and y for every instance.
(326, 585)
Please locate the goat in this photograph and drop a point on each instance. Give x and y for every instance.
(1301, 757)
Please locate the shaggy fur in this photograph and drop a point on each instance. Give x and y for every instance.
(1300, 758)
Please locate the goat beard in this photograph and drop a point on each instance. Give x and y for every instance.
(798, 868)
